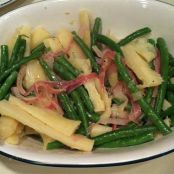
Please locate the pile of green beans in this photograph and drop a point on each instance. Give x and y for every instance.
(148, 110)
(64, 74)
(71, 73)
(5, 87)
(18, 50)
(17, 65)
(124, 133)
(63, 97)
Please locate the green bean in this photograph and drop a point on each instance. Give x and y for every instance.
(152, 41)
(67, 75)
(65, 101)
(93, 117)
(129, 126)
(109, 42)
(117, 134)
(148, 110)
(17, 65)
(148, 96)
(4, 58)
(48, 71)
(59, 69)
(149, 91)
(63, 61)
(86, 100)
(164, 58)
(134, 35)
(54, 145)
(15, 51)
(117, 101)
(4, 89)
(80, 110)
(170, 97)
(67, 106)
(96, 30)
(130, 141)
(40, 48)
(63, 72)
(87, 52)
(167, 112)
(21, 51)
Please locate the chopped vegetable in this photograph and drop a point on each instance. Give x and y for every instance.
(134, 35)
(84, 30)
(164, 73)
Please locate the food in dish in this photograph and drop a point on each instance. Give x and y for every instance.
(87, 90)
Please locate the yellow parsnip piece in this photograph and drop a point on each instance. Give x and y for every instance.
(144, 48)
(34, 73)
(47, 116)
(97, 129)
(7, 127)
(38, 35)
(74, 141)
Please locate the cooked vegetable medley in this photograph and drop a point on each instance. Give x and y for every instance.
(84, 90)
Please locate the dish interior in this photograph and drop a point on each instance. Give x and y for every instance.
(119, 17)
